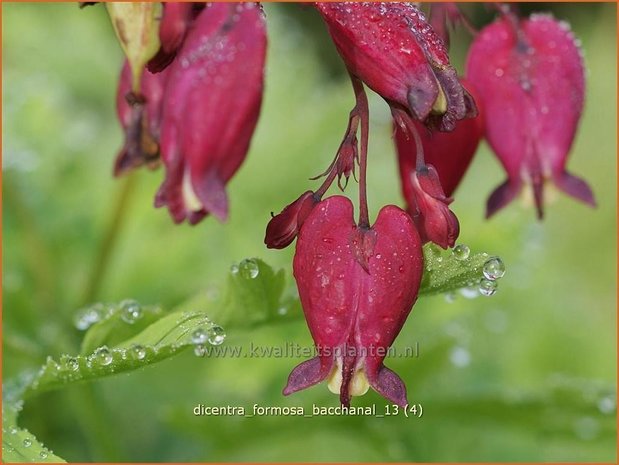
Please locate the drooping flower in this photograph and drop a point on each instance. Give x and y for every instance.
(391, 47)
(211, 107)
(140, 117)
(284, 227)
(530, 78)
(450, 153)
(355, 310)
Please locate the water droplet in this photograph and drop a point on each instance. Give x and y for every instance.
(130, 311)
(607, 405)
(199, 336)
(470, 292)
(216, 335)
(450, 297)
(27, 442)
(586, 428)
(461, 252)
(499, 72)
(494, 269)
(248, 268)
(43, 454)
(282, 310)
(199, 350)
(487, 287)
(460, 357)
(103, 356)
(13, 430)
(138, 352)
(234, 268)
(69, 363)
(87, 317)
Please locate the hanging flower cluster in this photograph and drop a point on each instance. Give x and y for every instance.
(198, 104)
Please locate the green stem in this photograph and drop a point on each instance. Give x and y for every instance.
(110, 239)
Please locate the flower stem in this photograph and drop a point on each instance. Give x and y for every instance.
(101, 262)
(362, 110)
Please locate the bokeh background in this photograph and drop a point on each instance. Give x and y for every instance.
(527, 375)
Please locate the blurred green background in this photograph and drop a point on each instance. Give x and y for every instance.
(527, 375)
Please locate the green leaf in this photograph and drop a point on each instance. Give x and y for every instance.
(18, 445)
(117, 323)
(448, 271)
(160, 340)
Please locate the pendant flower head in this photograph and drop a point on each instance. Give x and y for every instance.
(531, 83)
(450, 153)
(211, 107)
(140, 117)
(357, 287)
(393, 49)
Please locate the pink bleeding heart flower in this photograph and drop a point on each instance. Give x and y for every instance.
(531, 83)
(211, 107)
(450, 153)
(391, 47)
(284, 227)
(140, 117)
(176, 19)
(355, 311)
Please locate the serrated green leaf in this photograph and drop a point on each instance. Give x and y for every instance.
(18, 445)
(446, 273)
(162, 339)
(116, 327)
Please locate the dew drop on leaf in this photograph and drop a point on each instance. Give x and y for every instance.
(248, 269)
(487, 287)
(130, 311)
(216, 335)
(494, 269)
(461, 252)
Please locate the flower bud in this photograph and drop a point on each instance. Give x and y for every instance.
(284, 227)
(391, 47)
(429, 208)
(211, 107)
(531, 82)
(353, 313)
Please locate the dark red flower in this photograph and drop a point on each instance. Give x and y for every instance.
(531, 83)
(176, 19)
(284, 227)
(140, 117)
(449, 152)
(391, 47)
(211, 107)
(354, 312)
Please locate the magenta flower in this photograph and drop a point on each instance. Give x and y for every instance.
(531, 83)
(211, 107)
(140, 117)
(284, 227)
(450, 153)
(391, 47)
(355, 310)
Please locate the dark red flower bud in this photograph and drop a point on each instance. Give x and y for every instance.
(391, 47)
(140, 117)
(429, 207)
(530, 78)
(449, 152)
(355, 312)
(211, 107)
(284, 227)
